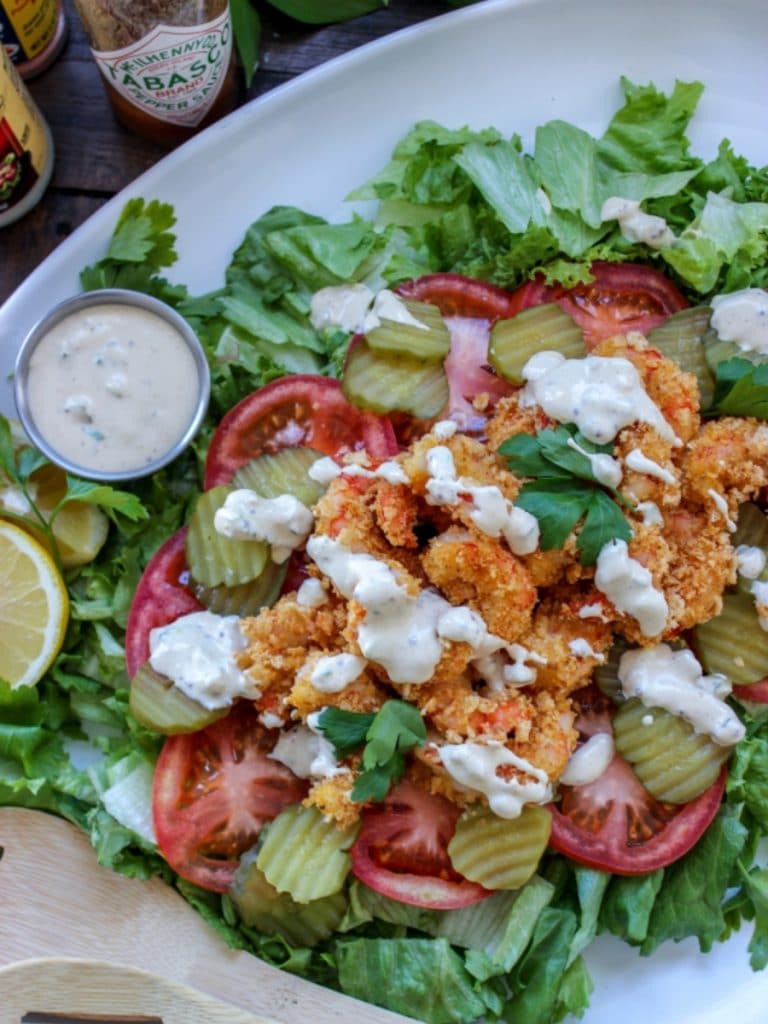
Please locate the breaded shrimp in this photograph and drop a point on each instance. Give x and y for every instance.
(728, 459)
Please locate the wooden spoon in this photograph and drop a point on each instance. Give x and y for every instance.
(69, 991)
(56, 901)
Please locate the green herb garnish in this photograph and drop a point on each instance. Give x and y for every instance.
(741, 389)
(388, 735)
(563, 490)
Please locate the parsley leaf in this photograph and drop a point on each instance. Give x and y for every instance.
(562, 490)
(388, 735)
(741, 389)
(141, 245)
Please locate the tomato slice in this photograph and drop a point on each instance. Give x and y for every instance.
(401, 851)
(757, 692)
(214, 791)
(161, 597)
(622, 297)
(292, 411)
(470, 309)
(614, 824)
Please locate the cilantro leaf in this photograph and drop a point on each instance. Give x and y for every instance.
(562, 490)
(344, 730)
(741, 389)
(373, 784)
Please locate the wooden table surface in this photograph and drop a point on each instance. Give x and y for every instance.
(96, 156)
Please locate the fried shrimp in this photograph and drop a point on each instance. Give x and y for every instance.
(433, 598)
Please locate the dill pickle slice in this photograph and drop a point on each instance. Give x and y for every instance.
(246, 598)
(394, 383)
(162, 707)
(431, 344)
(606, 675)
(499, 853)
(752, 530)
(681, 338)
(546, 327)
(674, 763)
(214, 559)
(261, 906)
(304, 854)
(733, 643)
(283, 472)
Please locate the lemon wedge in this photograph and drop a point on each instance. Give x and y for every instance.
(34, 607)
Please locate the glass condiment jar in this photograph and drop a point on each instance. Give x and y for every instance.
(32, 33)
(26, 146)
(168, 66)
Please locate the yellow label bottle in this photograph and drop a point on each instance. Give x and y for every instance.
(32, 32)
(26, 146)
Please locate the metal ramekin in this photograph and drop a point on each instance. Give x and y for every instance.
(113, 296)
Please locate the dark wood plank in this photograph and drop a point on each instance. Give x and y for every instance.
(96, 157)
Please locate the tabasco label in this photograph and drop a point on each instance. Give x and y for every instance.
(175, 72)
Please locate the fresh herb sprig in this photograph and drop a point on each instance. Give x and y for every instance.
(741, 389)
(385, 737)
(563, 491)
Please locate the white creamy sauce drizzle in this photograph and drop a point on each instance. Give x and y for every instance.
(444, 429)
(629, 586)
(637, 226)
(308, 754)
(197, 652)
(650, 513)
(742, 317)
(311, 593)
(600, 394)
(333, 673)
(98, 387)
(750, 561)
(760, 593)
(581, 648)
(722, 507)
(593, 611)
(476, 766)
(405, 633)
(642, 464)
(283, 522)
(499, 673)
(270, 720)
(326, 469)
(588, 762)
(342, 306)
(605, 469)
(354, 307)
(492, 513)
(673, 680)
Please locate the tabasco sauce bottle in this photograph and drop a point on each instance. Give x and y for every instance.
(168, 66)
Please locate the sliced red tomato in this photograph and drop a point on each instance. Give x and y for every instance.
(757, 692)
(622, 297)
(470, 309)
(292, 411)
(214, 791)
(402, 853)
(614, 824)
(161, 597)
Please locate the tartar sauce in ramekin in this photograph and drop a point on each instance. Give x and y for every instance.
(112, 386)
